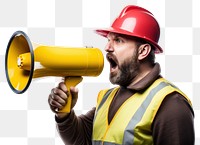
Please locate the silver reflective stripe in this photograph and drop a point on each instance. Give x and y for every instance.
(104, 98)
(103, 143)
(102, 102)
(129, 131)
(96, 143)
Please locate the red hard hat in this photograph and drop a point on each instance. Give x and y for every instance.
(138, 22)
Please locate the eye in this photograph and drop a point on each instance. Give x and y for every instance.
(118, 40)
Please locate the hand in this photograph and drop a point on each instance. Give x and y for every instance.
(58, 99)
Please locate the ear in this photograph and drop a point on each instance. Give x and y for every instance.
(143, 51)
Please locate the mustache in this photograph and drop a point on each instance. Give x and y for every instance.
(112, 58)
(111, 55)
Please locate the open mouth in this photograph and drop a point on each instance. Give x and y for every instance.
(113, 61)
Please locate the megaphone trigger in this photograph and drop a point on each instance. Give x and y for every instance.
(70, 82)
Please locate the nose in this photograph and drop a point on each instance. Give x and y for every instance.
(109, 47)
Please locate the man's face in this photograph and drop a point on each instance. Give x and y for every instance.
(122, 54)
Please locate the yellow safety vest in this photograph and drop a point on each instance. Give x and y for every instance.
(132, 122)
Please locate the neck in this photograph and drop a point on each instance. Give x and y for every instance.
(143, 71)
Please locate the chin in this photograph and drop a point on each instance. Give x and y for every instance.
(115, 79)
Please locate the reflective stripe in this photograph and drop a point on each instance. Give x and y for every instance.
(136, 126)
(102, 102)
(104, 98)
(129, 132)
(103, 143)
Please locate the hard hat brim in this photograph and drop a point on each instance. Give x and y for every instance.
(104, 33)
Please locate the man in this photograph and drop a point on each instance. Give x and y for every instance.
(145, 109)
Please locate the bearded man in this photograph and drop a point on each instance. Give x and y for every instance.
(145, 108)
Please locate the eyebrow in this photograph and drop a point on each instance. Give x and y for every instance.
(115, 35)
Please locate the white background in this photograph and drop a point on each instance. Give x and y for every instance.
(26, 118)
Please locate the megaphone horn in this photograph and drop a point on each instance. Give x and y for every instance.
(25, 61)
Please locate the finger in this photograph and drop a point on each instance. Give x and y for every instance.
(52, 107)
(54, 104)
(60, 93)
(74, 91)
(63, 87)
(59, 99)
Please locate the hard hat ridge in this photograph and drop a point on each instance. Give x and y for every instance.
(133, 7)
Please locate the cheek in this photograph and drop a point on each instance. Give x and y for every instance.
(125, 55)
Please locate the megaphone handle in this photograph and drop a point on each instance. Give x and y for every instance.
(70, 82)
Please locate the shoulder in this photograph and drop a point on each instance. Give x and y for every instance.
(175, 106)
(174, 119)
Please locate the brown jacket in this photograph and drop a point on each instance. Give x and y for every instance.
(173, 124)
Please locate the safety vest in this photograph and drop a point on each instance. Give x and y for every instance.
(132, 122)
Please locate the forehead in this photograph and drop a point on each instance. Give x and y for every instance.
(127, 37)
(114, 35)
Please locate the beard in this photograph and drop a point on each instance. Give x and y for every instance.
(128, 70)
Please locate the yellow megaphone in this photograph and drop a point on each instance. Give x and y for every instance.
(26, 60)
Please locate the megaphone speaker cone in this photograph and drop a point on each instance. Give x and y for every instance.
(19, 79)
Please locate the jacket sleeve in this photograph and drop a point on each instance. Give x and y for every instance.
(76, 130)
(174, 122)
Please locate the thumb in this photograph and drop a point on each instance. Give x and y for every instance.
(74, 93)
